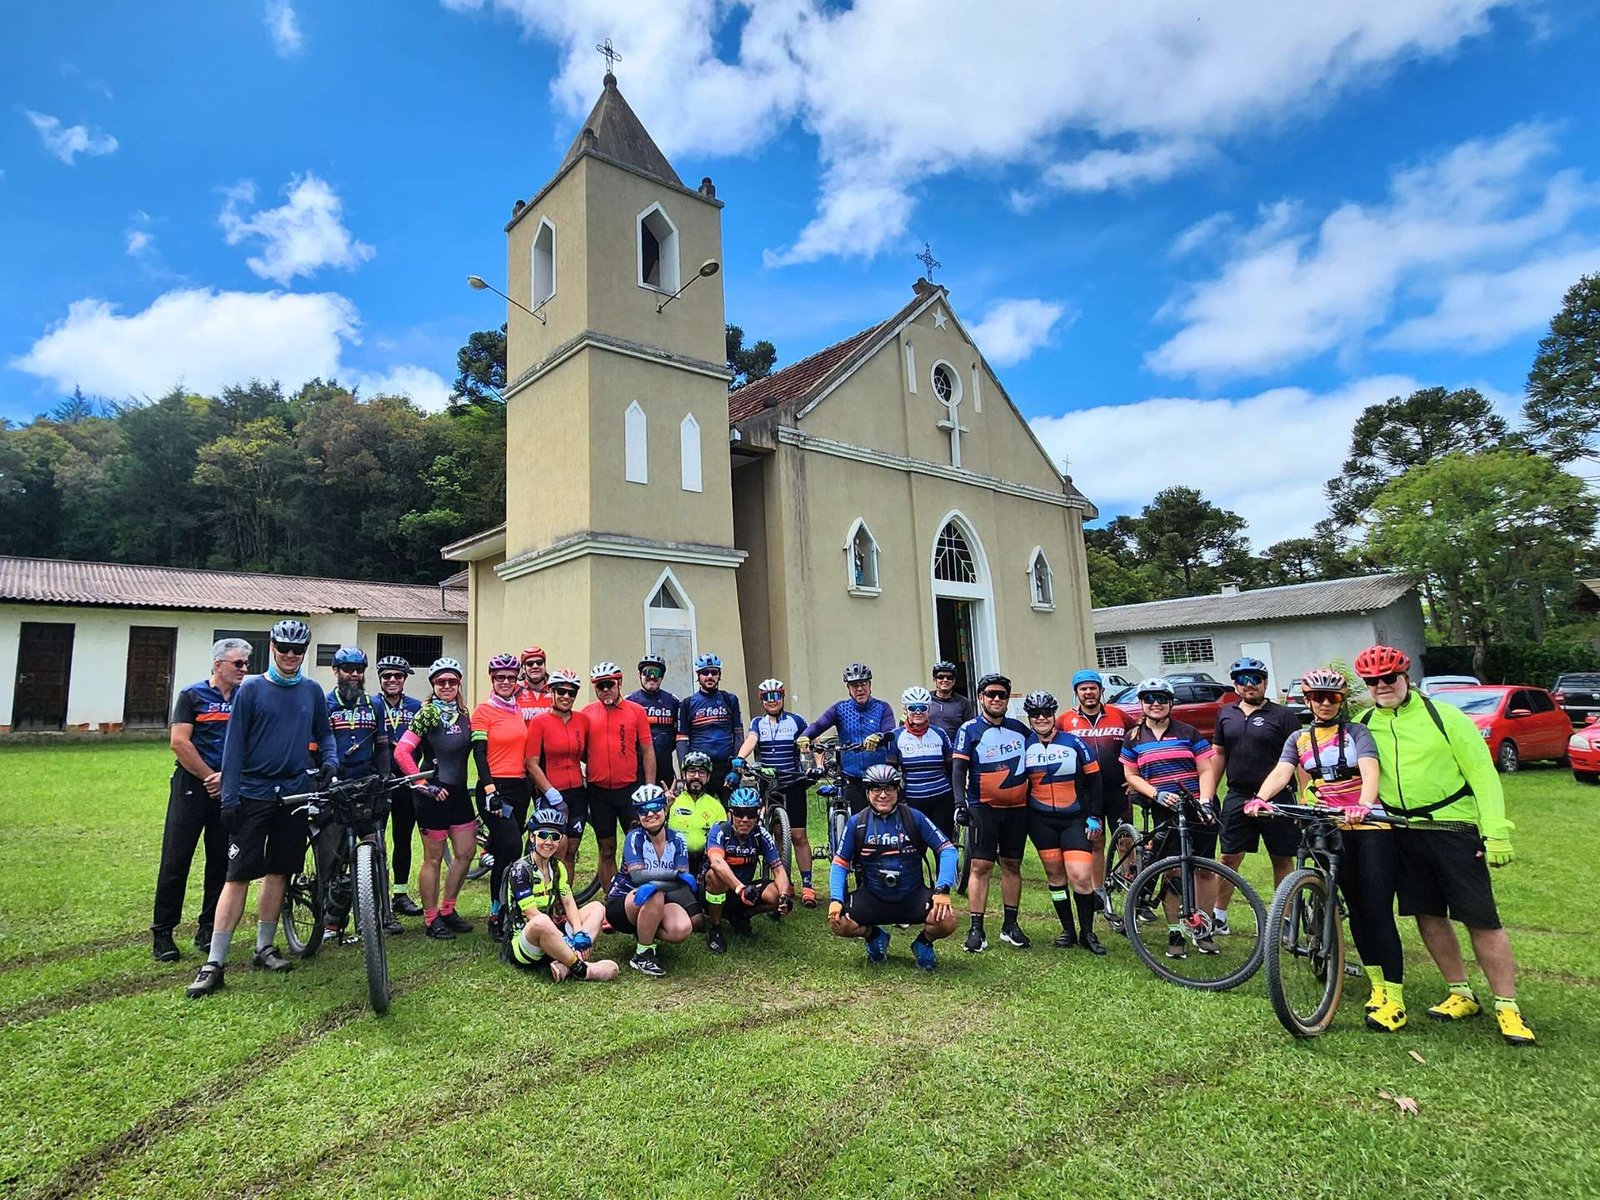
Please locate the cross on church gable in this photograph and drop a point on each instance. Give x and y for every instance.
(610, 53)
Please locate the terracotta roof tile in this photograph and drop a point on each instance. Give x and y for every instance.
(798, 379)
(124, 585)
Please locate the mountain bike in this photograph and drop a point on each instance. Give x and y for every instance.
(359, 807)
(1131, 851)
(832, 792)
(1306, 964)
(1172, 948)
(774, 816)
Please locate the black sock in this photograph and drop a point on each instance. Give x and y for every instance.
(977, 922)
(1087, 905)
(923, 938)
(1063, 907)
(1011, 915)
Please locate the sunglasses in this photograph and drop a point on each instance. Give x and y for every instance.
(651, 673)
(651, 809)
(548, 835)
(1253, 680)
(1372, 680)
(997, 695)
(916, 708)
(386, 676)
(447, 683)
(1324, 697)
(533, 662)
(242, 663)
(569, 693)
(503, 677)
(282, 649)
(709, 671)
(772, 697)
(604, 685)
(945, 678)
(748, 814)
(1156, 699)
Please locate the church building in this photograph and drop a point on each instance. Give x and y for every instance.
(881, 500)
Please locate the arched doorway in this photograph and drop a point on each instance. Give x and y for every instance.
(963, 601)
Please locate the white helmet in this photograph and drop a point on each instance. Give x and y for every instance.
(441, 665)
(604, 670)
(769, 685)
(916, 695)
(564, 675)
(1155, 685)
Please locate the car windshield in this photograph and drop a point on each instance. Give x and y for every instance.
(1586, 682)
(1471, 700)
(1128, 695)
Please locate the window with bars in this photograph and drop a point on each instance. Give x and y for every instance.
(952, 557)
(418, 650)
(1106, 657)
(1187, 650)
(258, 639)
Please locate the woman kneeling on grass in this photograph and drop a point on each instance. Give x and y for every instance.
(556, 933)
(653, 896)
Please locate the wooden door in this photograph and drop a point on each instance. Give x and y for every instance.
(44, 673)
(147, 699)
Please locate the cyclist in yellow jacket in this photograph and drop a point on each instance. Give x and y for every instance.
(1436, 772)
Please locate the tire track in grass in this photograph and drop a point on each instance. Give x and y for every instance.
(45, 958)
(88, 1170)
(95, 991)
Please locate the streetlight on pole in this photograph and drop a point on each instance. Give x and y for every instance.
(478, 284)
(707, 269)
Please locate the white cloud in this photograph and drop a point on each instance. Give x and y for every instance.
(895, 97)
(206, 339)
(1482, 310)
(1102, 170)
(1264, 456)
(427, 389)
(300, 237)
(1203, 233)
(1013, 329)
(284, 27)
(66, 142)
(140, 241)
(1291, 293)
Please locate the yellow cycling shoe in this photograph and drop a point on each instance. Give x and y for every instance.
(1455, 1007)
(1512, 1027)
(1378, 998)
(1388, 1017)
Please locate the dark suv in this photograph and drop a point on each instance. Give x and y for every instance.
(1579, 694)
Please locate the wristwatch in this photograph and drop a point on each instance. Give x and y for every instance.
(941, 891)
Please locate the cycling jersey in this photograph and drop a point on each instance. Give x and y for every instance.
(693, 818)
(775, 746)
(1328, 755)
(528, 888)
(995, 776)
(1169, 760)
(444, 734)
(1063, 776)
(643, 863)
(854, 723)
(203, 707)
(498, 726)
(358, 733)
(886, 854)
(558, 747)
(533, 701)
(950, 715)
(743, 854)
(1251, 741)
(661, 706)
(617, 733)
(1433, 773)
(397, 718)
(924, 762)
(710, 723)
(270, 732)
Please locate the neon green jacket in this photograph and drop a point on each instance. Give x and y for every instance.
(1420, 766)
(695, 819)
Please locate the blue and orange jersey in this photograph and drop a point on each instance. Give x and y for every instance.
(887, 851)
(358, 732)
(710, 723)
(995, 776)
(661, 706)
(1063, 776)
(743, 854)
(1170, 759)
(203, 706)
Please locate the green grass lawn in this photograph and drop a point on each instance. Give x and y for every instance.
(786, 1069)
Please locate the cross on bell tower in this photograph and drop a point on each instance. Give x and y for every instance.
(930, 264)
(609, 53)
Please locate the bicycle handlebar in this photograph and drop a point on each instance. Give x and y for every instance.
(1333, 815)
(316, 794)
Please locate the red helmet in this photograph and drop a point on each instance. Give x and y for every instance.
(1381, 660)
(531, 652)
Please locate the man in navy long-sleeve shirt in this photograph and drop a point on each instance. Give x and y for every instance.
(861, 721)
(276, 719)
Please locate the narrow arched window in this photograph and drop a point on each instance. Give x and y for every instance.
(1040, 581)
(635, 445)
(861, 560)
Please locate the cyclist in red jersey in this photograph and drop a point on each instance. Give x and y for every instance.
(621, 757)
(1103, 730)
(499, 743)
(557, 744)
(533, 684)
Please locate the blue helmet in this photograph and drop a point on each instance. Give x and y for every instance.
(1240, 666)
(707, 662)
(1087, 676)
(744, 798)
(350, 656)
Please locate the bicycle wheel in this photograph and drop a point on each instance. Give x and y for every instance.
(369, 924)
(1305, 961)
(776, 822)
(302, 913)
(964, 837)
(1124, 865)
(838, 821)
(1171, 945)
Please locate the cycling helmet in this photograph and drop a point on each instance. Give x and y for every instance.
(916, 695)
(744, 798)
(707, 662)
(1083, 677)
(531, 652)
(547, 818)
(1037, 703)
(503, 662)
(649, 795)
(942, 666)
(697, 760)
(994, 677)
(1324, 679)
(394, 662)
(604, 670)
(441, 665)
(1242, 665)
(350, 656)
(653, 660)
(769, 685)
(1154, 686)
(880, 774)
(1374, 660)
(564, 675)
(858, 673)
(289, 632)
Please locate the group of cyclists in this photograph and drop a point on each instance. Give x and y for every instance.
(669, 776)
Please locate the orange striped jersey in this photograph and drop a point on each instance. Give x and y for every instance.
(1058, 776)
(994, 753)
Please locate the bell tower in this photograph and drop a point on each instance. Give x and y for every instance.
(619, 509)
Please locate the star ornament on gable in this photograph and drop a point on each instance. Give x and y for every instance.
(939, 319)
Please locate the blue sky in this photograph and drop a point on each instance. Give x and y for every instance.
(1194, 239)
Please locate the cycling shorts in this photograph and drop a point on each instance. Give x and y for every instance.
(867, 909)
(1442, 873)
(575, 805)
(794, 802)
(269, 838)
(1059, 837)
(1244, 835)
(1001, 832)
(1164, 833)
(435, 817)
(610, 809)
(941, 810)
(675, 893)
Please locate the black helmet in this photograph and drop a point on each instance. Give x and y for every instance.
(994, 677)
(653, 660)
(1037, 703)
(858, 673)
(943, 666)
(880, 775)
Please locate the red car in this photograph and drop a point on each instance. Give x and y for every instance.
(1519, 723)
(1583, 748)
(1194, 704)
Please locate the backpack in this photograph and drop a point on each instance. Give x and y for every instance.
(1464, 790)
(907, 821)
